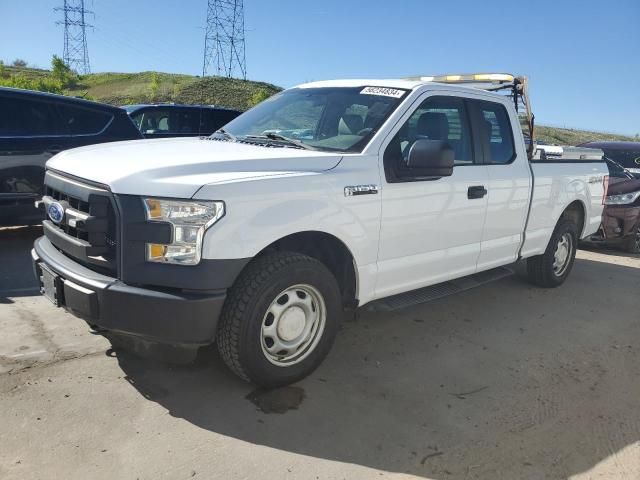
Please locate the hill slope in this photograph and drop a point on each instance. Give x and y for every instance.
(157, 87)
(154, 87)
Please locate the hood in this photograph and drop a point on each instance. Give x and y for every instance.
(618, 186)
(178, 167)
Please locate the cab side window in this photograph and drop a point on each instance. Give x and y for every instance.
(496, 135)
(437, 118)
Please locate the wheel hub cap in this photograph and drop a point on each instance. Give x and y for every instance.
(291, 324)
(562, 255)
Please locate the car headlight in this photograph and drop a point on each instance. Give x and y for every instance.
(189, 220)
(622, 199)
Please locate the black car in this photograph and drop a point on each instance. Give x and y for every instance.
(627, 154)
(621, 216)
(34, 126)
(171, 120)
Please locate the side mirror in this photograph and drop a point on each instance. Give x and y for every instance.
(431, 158)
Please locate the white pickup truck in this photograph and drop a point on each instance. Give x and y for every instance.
(327, 196)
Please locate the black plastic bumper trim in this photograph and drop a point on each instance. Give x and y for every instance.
(172, 317)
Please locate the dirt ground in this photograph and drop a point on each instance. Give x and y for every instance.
(506, 381)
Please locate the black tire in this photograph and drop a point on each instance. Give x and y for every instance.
(540, 269)
(240, 337)
(632, 244)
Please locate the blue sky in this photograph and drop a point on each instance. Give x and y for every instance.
(581, 55)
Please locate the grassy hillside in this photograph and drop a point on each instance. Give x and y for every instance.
(570, 136)
(156, 87)
(149, 87)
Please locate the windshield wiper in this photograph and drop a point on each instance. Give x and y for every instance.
(624, 169)
(282, 138)
(229, 135)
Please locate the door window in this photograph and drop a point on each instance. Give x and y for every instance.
(437, 118)
(83, 121)
(27, 118)
(168, 121)
(496, 133)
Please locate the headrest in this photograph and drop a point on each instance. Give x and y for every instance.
(433, 125)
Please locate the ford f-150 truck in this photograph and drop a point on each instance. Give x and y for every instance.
(328, 196)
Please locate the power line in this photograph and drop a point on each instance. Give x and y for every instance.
(224, 39)
(75, 53)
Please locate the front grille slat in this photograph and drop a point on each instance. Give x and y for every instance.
(98, 230)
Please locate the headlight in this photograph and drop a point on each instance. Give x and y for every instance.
(189, 221)
(622, 199)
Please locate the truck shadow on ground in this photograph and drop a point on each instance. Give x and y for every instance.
(505, 381)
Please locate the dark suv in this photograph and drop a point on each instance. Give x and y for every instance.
(170, 120)
(34, 126)
(621, 215)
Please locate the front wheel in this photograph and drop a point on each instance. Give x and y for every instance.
(280, 319)
(633, 243)
(552, 268)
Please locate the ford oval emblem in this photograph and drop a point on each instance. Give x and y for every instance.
(55, 212)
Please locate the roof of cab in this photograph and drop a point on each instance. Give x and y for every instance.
(407, 84)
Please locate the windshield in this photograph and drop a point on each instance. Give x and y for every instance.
(627, 158)
(330, 119)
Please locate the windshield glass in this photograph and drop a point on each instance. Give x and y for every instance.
(627, 158)
(331, 119)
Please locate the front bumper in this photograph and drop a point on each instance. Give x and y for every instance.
(618, 223)
(166, 316)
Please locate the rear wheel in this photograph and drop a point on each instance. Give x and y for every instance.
(633, 243)
(552, 268)
(280, 319)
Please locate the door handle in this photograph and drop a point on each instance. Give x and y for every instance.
(477, 191)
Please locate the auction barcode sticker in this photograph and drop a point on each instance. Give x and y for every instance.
(383, 91)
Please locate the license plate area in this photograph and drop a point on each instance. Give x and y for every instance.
(51, 285)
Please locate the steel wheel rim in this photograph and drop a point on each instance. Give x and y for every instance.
(293, 325)
(562, 255)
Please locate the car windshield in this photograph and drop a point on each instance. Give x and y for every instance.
(329, 119)
(627, 158)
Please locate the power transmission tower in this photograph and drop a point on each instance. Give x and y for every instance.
(75, 53)
(224, 39)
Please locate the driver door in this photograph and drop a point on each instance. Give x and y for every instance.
(431, 228)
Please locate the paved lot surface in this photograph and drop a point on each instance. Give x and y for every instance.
(503, 382)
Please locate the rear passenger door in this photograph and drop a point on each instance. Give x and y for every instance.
(508, 183)
(431, 228)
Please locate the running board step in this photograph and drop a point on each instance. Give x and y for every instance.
(427, 294)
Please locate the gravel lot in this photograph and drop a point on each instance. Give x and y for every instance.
(502, 382)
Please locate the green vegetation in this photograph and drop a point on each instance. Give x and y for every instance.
(570, 136)
(158, 87)
(59, 78)
(143, 87)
